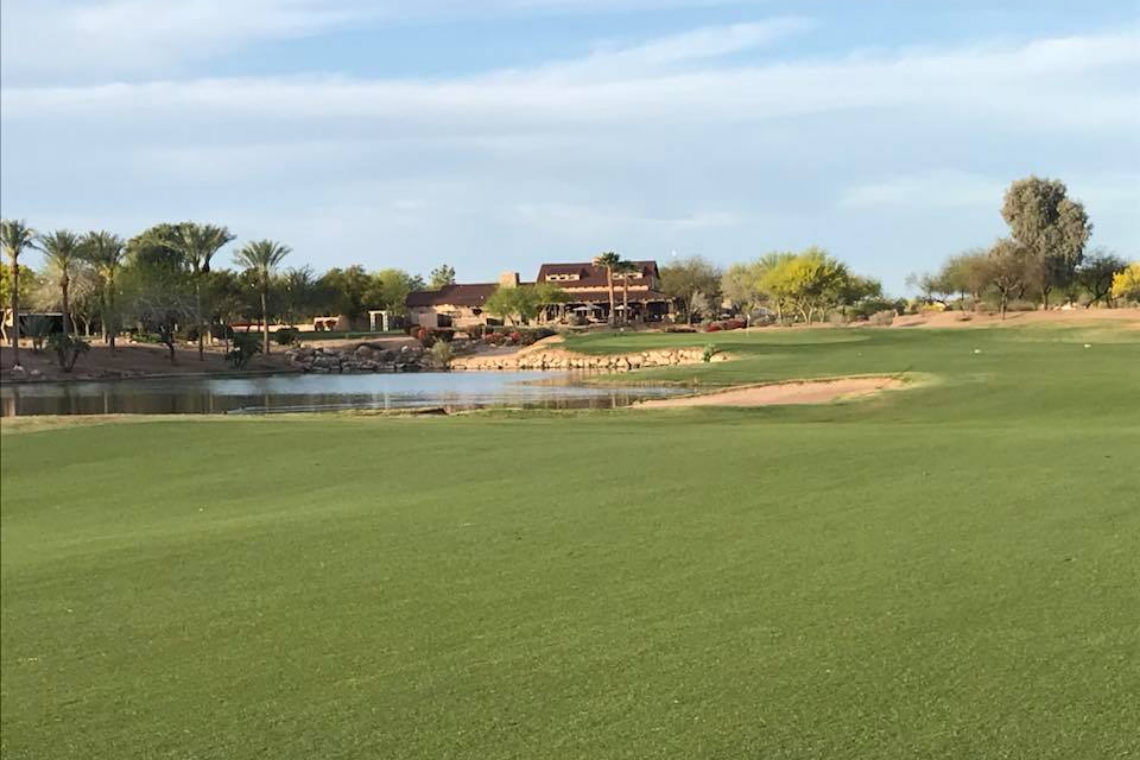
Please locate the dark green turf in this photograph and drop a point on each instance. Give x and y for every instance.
(946, 572)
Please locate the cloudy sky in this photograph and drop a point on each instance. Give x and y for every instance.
(499, 134)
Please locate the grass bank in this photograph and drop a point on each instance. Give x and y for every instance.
(946, 572)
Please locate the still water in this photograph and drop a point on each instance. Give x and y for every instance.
(307, 393)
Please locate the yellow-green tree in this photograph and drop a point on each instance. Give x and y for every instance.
(1126, 284)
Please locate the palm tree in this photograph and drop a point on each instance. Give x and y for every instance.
(260, 258)
(15, 236)
(105, 252)
(609, 261)
(63, 250)
(625, 268)
(199, 243)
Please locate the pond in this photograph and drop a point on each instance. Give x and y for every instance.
(309, 393)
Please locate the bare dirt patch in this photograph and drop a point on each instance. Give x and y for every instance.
(133, 360)
(1127, 318)
(780, 394)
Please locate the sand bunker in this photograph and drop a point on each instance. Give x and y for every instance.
(799, 392)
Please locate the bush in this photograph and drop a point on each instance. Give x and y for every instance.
(286, 336)
(709, 352)
(219, 332)
(245, 347)
(442, 353)
(68, 349)
(712, 327)
(868, 307)
(837, 318)
(680, 329)
(884, 318)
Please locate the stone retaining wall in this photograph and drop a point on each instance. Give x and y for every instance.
(361, 358)
(557, 359)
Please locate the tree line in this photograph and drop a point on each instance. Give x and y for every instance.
(163, 282)
(1044, 254)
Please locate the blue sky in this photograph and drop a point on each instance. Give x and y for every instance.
(500, 134)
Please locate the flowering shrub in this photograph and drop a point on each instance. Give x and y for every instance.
(713, 327)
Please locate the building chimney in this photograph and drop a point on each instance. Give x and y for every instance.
(509, 280)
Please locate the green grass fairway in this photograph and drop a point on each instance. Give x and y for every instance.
(950, 571)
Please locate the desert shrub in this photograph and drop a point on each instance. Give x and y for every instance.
(868, 307)
(67, 349)
(189, 334)
(838, 318)
(884, 318)
(286, 336)
(709, 352)
(441, 350)
(1021, 305)
(245, 347)
(495, 338)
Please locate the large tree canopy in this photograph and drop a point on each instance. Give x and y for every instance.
(1052, 228)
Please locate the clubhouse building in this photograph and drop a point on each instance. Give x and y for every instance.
(585, 285)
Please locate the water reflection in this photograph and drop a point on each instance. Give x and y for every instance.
(302, 393)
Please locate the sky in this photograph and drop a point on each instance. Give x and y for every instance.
(500, 134)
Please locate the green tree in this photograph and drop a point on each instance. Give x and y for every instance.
(62, 252)
(610, 262)
(347, 292)
(198, 244)
(694, 282)
(740, 284)
(1097, 272)
(516, 304)
(1050, 227)
(261, 259)
(158, 297)
(297, 289)
(1009, 268)
(549, 294)
(105, 252)
(15, 237)
(965, 275)
(442, 275)
(157, 246)
(392, 289)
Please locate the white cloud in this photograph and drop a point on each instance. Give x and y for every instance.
(1013, 87)
(82, 40)
(664, 144)
(944, 189)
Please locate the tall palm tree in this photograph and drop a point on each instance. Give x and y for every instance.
(105, 252)
(626, 268)
(15, 236)
(198, 243)
(62, 250)
(261, 257)
(609, 261)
